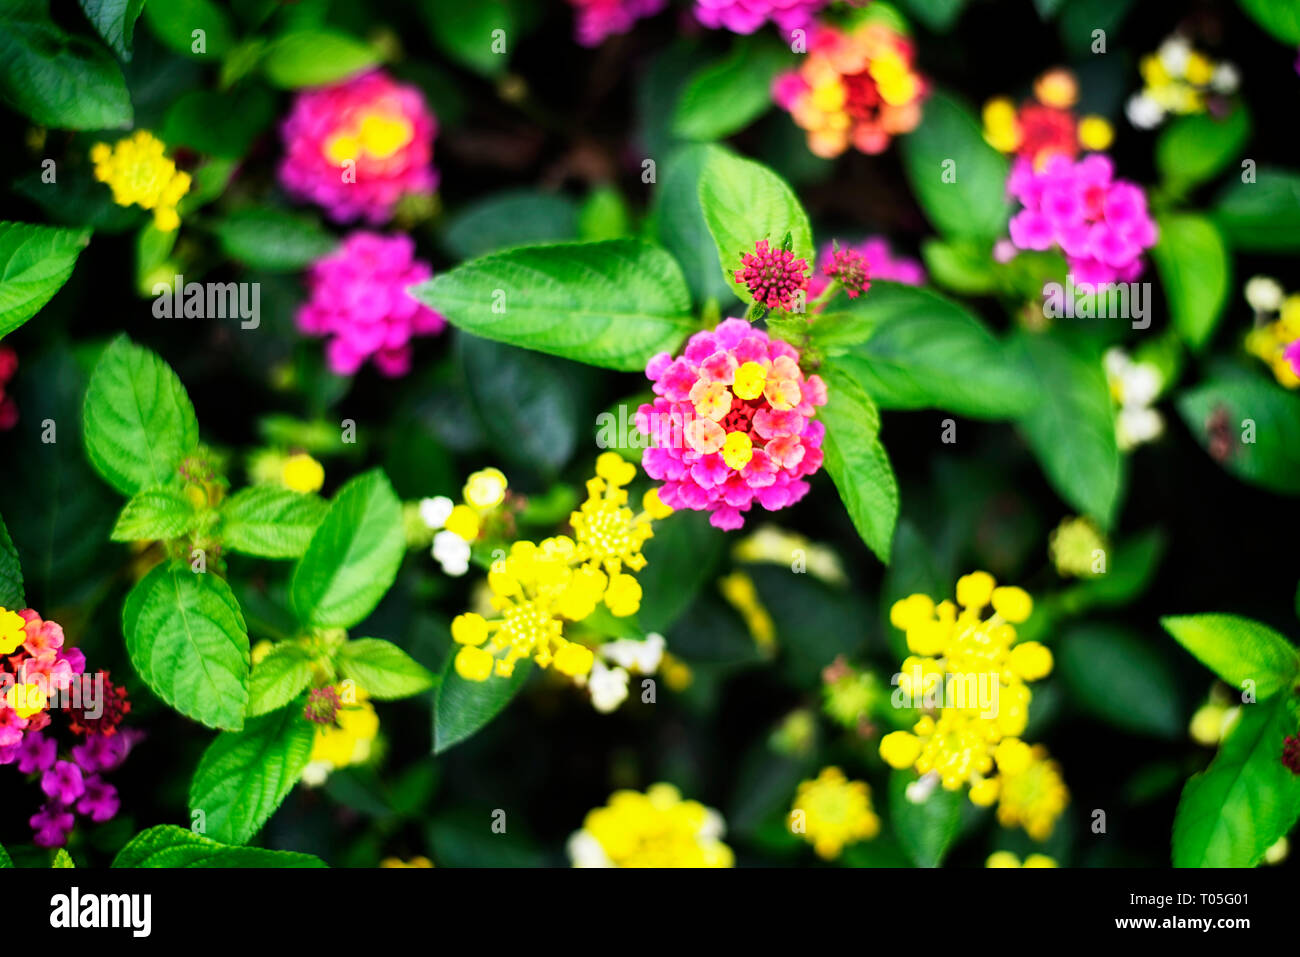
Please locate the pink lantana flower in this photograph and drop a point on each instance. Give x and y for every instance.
(359, 300)
(773, 276)
(1100, 223)
(358, 147)
(746, 16)
(598, 19)
(732, 423)
(881, 263)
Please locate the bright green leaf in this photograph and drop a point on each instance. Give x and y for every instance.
(35, 262)
(1195, 148)
(1196, 270)
(278, 678)
(727, 95)
(170, 846)
(678, 222)
(612, 304)
(1281, 18)
(353, 556)
(1238, 650)
(155, 514)
(270, 522)
(186, 638)
(383, 670)
(315, 58)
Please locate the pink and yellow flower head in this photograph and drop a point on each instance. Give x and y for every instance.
(853, 89)
(746, 16)
(358, 299)
(34, 666)
(1275, 338)
(1099, 222)
(1046, 125)
(138, 172)
(598, 19)
(356, 148)
(732, 423)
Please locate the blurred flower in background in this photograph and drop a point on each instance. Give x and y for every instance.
(854, 88)
(597, 19)
(654, 829)
(1045, 126)
(358, 300)
(1275, 339)
(356, 148)
(881, 264)
(1178, 79)
(1134, 386)
(830, 812)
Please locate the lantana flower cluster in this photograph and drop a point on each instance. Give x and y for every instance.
(358, 299)
(1275, 338)
(346, 729)
(1099, 222)
(457, 526)
(732, 424)
(1134, 386)
(960, 740)
(1180, 80)
(854, 88)
(595, 20)
(39, 671)
(358, 147)
(654, 829)
(831, 812)
(138, 171)
(540, 586)
(879, 261)
(1045, 126)
(746, 16)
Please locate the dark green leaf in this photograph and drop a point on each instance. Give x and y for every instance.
(35, 261)
(1119, 677)
(462, 708)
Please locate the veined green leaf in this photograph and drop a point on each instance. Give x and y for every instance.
(155, 514)
(271, 522)
(1238, 650)
(35, 262)
(170, 846)
(383, 670)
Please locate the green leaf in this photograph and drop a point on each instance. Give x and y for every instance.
(1261, 422)
(668, 584)
(1130, 567)
(1080, 19)
(1071, 427)
(35, 262)
(508, 219)
(465, 32)
(1235, 810)
(1117, 676)
(744, 203)
(63, 860)
(604, 215)
(678, 222)
(5, 859)
(529, 404)
(1196, 270)
(1238, 650)
(221, 124)
(274, 240)
(193, 28)
(925, 351)
(138, 422)
(1195, 148)
(938, 15)
(245, 775)
(959, 180)
(11, 573)
(964, 266)
(925, 831)
(725, 96)
(155, 514)
(612, 304)
(316, 57)
(1281, 18)
(114, 20)
(58, 80)
(383, 670)
(278, 678)
(186, 638)
(1264, 214)
(270, 522)
(856, 461)
(462, 708)
(170, 846)
(353, 556)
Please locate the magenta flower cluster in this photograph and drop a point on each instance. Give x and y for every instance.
(357, 147)
(1100, 223)
(598, 19)
(358, 299)
(773, 276)
(72, 785)
(746, 16)
(732, 423)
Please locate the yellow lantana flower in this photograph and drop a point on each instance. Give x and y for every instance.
(831, 811)
(138, 172)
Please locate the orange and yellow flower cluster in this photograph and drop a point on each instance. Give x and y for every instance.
(855, 88)
(1045, 126)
